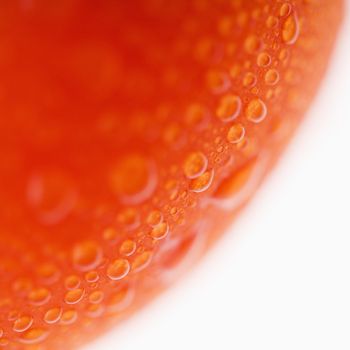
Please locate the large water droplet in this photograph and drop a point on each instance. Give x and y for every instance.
(52, 195)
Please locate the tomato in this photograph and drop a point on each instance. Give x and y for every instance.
(131, 134)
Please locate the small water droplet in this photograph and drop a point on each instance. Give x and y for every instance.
(252, 44)
(39, 296)
(160, 231)
(218, 81)
(121, 299)
(291, 29)
(95, 310)
(96, 297)
(154, 218)
(86, 255)
(272, 22)
(129, 218)
(141, 261)
(229, 108)
(202, 183)
(256, 111)
(74, 296)
(53, 315)
(195, 165)
(4, 342)
(72, 282)
(22, 286)
(196, 116)
(22, 323)
(285, 9)
(272, 77)
(110, 234)
(236, 133)
(91, 276)
(34, 336)
(48, 273)
(118, 269)
(69, 317)
(264, 59)
(249, 80)
(127, 248)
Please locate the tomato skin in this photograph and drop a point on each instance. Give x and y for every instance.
(131, 135)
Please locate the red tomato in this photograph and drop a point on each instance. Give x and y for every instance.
(131, 134)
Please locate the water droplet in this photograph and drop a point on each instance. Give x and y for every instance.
(256, 111)
(285, 9)
(118, 269)
(69, 317)
(195, 165)
(39, 296)
(96, 297)
(86, 255)
(218, 82)
(133, 179)
(196, 116)
(110, 234)
(127, 248)
(22, 323)
(202, 183)
(49, 273)
(52, 195)
(154, 218)
(95, 310)
(272, 77)
(235, 189)
(53, 315)
(72, 282)
(291, 30)
(4, 342)
(160, 231)
(252, 44)
(34, 336)
(22, 286)
(141, 261)
(172, 135)
(264, 59)
(13, 315)
(271, 22)
(91, 276)
(229, 108)
(121, 299)
(129, 218)
(236, 133)
(74, 296)
(249, 80)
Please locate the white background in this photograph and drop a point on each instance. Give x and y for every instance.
(281, 278)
